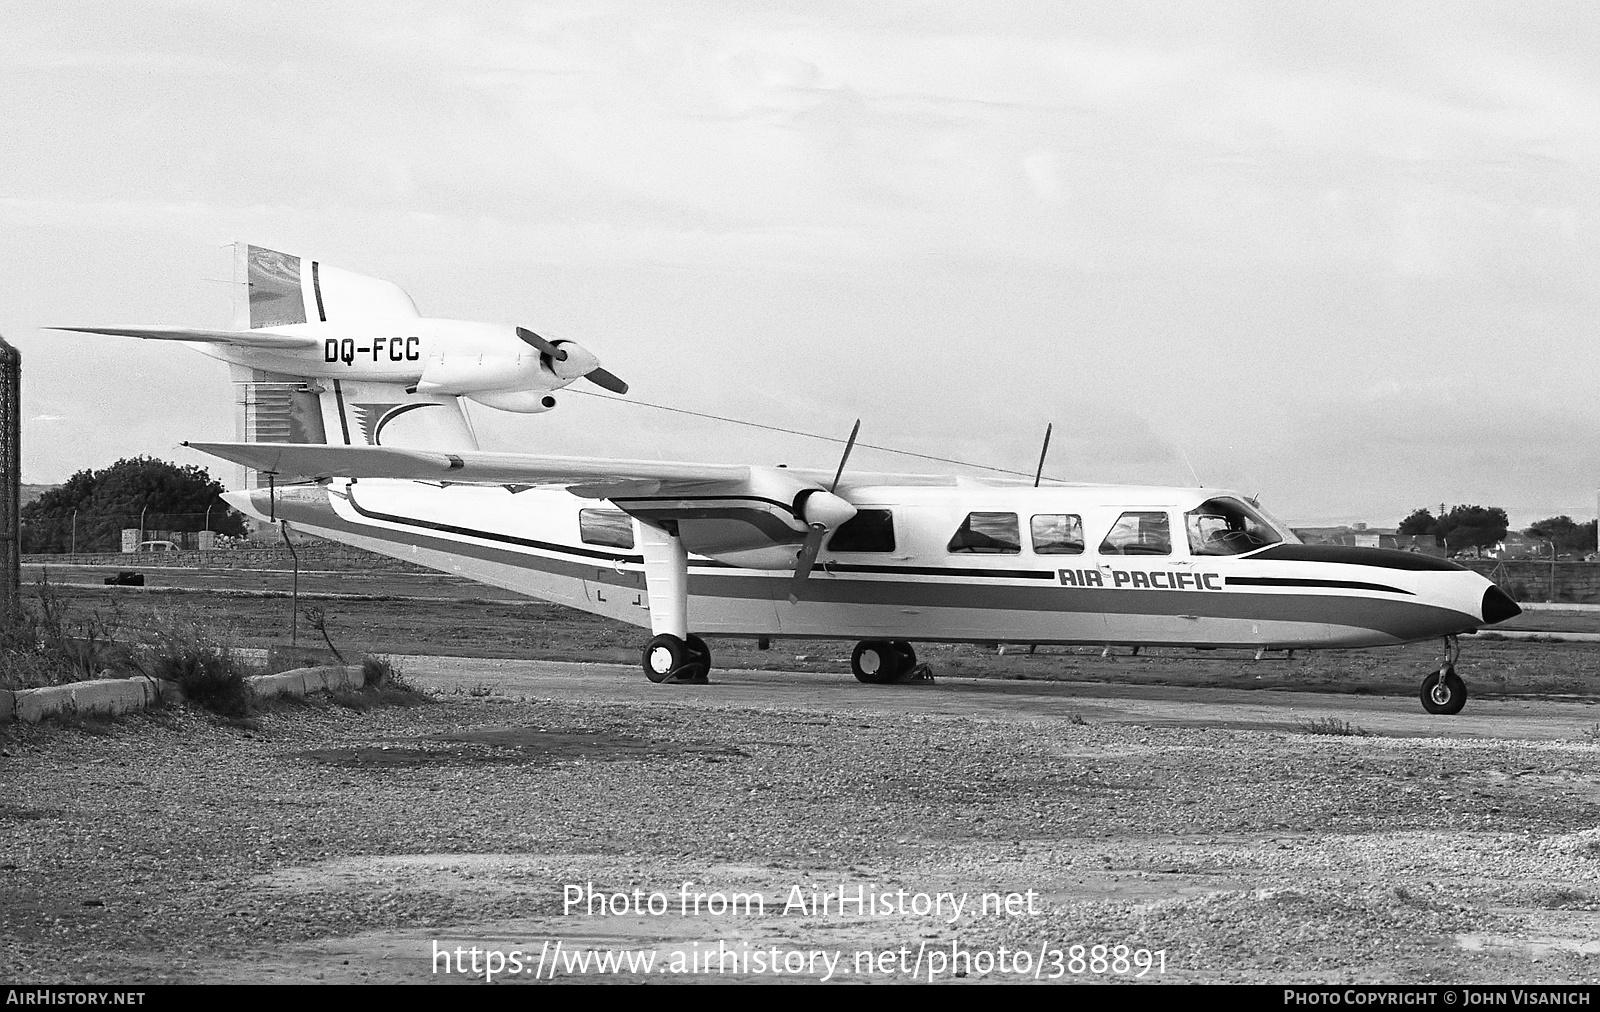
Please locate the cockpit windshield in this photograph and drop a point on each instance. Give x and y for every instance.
(1226, 526)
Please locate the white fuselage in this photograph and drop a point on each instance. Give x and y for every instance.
(1286, 596)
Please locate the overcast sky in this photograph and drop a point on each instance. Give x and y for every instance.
(1341, 255)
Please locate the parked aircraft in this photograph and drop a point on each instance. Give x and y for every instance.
(744, 550)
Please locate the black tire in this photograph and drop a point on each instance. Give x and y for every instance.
(664, 655)
(701, 657)
(1444, 693)
(875, 662)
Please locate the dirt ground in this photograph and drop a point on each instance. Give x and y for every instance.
(1203, 817)
(552, 815)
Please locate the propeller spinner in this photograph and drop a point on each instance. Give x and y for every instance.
(821, 513)
(570, 360)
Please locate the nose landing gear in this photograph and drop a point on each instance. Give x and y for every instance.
(1443, 692)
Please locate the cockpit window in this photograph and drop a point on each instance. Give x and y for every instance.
(988, 534)
(1226, 526)
(1138, 534)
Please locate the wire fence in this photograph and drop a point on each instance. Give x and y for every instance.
(136, 532)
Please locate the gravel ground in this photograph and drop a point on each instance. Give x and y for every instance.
(341, 839)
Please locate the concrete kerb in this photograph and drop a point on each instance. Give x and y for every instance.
(113, 696)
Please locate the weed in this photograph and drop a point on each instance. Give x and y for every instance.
(319, 622)
(1592, 733)
(1076, 718)
(45, 644)
(1332, 725)
(378, 671)
(186, 651)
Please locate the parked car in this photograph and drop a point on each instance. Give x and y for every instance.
(157, 546)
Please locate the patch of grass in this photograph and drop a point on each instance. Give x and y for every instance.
(46, 643)
(385, 685)
(1076, 718)
(1592, 733)
(188, 651)
(1332, 725)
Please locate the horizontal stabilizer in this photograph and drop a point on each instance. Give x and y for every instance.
(241, 338)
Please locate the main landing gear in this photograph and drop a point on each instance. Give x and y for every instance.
(879, 662)
(1443, 691)
(670, 659)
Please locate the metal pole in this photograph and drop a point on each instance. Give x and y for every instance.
(294, 599)
(74, 530)
(141, 527)
(1552, 597)
(10, 482)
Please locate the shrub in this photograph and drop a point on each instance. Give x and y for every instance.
(186, 651)
(45, 644)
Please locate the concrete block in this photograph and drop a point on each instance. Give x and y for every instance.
(303, 681)
(281, 657)
(287, 683)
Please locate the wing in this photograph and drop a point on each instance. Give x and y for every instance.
(302, 462)
(756, 514)
(242, 338)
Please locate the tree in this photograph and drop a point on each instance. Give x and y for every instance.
(167, 496)
(1475, 527)
(1568, 536)
(1419, 522)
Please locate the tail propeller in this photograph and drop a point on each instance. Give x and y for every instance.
(813, 543)
(579, 357)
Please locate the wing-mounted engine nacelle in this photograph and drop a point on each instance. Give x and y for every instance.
(464, 372)
(523, 402)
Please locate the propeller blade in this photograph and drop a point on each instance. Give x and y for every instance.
(848, 446)
(805, 560)
(608, 380)
(552, 350)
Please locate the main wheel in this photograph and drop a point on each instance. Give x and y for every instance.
(664, 655)
(875, 661)
(1443, 692)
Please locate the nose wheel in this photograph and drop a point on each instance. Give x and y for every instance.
(1443, 691)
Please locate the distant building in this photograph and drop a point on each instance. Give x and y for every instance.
(1517, 545)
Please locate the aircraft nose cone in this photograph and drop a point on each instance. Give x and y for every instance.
(1498, 606)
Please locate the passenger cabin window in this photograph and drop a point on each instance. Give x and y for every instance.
(611, 528)
(867, 531)
(1226, 526)
(988, 534)
(1138, 534)
(1057, 534)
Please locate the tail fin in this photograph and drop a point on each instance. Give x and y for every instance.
(280, 288)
